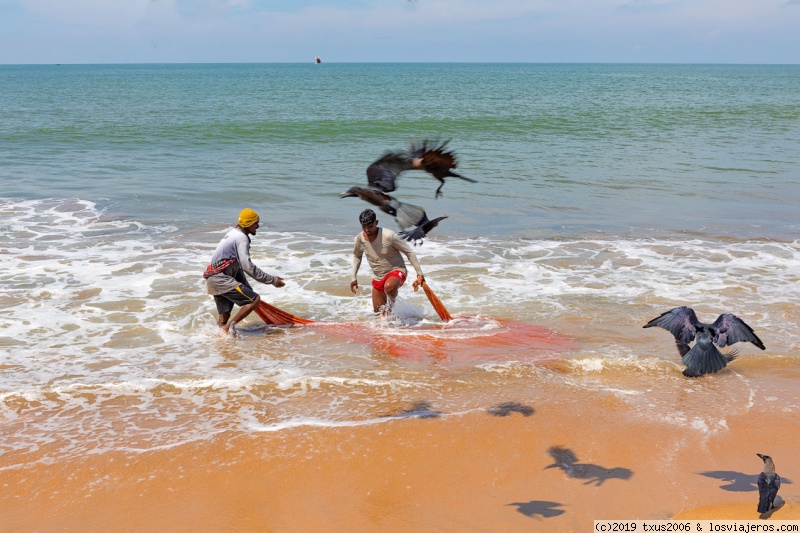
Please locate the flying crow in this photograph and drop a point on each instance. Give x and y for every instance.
(383, 173)
(412, 219)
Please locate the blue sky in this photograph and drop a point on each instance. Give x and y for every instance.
(191, 31)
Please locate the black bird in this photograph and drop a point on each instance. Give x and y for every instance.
(407, 215)
(437, 162)
(383, 173)
(423, 226)
(768, 484)
(704, 357)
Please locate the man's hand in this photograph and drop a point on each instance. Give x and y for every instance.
(354, 286)
(417, 282)
(279, 282)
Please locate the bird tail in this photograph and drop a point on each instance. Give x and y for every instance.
(457, 175)
(705, 358)
(413, 235)
(763, 501)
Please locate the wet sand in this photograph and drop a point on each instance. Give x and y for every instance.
(474, 472)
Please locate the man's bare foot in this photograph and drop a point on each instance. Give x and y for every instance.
(230, 329)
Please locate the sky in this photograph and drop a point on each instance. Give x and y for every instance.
(294, 31)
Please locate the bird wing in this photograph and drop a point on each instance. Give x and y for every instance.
(409, 215)
(383, 172)
(421, 231)
(427, 226)
(385, 202)
(680, 321)
(730, 329)
(764, 493)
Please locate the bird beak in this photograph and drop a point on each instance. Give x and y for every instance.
(762, 457)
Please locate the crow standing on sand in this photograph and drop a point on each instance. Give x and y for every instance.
(768, 484)
(704, 357)
(383, 173)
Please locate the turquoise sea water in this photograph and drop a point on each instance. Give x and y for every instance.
(606, 194)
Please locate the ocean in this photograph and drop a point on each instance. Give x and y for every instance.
(605, 195)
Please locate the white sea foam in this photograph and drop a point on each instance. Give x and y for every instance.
(108, 338)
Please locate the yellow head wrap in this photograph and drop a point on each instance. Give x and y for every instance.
(247, 217)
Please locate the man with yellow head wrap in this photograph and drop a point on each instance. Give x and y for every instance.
(225, 276)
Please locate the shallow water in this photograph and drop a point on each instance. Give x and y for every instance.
(607, 194)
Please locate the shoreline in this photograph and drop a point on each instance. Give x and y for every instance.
(556, 470)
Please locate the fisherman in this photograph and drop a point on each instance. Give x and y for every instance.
(383, 248)
(225, 276)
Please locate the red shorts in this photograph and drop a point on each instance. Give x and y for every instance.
(399, 274)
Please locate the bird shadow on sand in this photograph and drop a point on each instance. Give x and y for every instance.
(539, 508)
(422, 409)
(506, 408)
(566, 460)
(737, 481)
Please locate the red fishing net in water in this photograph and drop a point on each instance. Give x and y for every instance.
(465, 339)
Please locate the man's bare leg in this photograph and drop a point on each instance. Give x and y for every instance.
(391, 286)
(378, 299)
(241, 315)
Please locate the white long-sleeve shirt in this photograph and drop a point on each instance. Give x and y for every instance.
(235, 245)
(383, 254)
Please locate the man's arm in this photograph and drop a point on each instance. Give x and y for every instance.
(246, 263)
(358, 254)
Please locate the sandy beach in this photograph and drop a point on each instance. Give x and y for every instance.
(569, 463)
(605, 195)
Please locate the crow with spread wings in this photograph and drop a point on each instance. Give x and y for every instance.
(704, 357)
(383, 173)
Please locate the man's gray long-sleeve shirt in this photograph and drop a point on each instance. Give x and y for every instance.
(235, 245)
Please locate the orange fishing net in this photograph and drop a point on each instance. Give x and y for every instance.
(272, 315)
(437, 304)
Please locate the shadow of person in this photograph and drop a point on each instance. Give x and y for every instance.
(506, 408)
(538, 508)
(422, 409)
(736, 481)
(567, 461)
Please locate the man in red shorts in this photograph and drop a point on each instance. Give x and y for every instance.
(382, 248)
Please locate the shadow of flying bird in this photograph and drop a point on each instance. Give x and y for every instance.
(506, 408)
(539, 508)
(566, 460)
(704, 357)
(736, 481)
